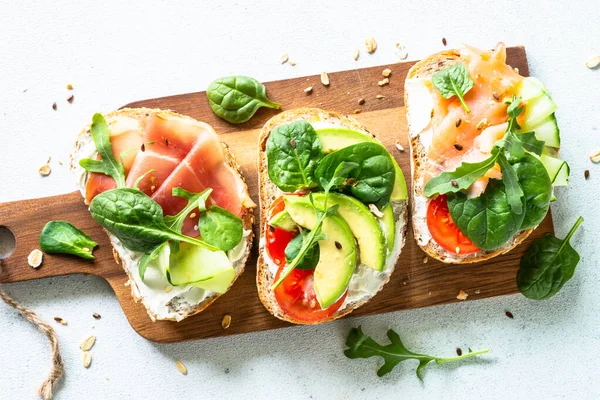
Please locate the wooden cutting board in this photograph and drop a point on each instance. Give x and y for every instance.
(414, 284)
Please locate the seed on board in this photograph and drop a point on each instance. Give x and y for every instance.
(308, 90)
(87, 359)
(60, 320)
(593, 62)
(425, 259)
(401, 51)
(386, 73)
(444, 41)
(96, 315)
(356, 111)
(181, 367)
(88, 343)
(462, 295)
(35, 258)
(399, 146)
(45, 170)
(70, 98)
(324, 78)
(54, 106)
(509, 314)
(371, 45)
(454, 183)
(458, 121)
(383, 82)
(356, 54)
(595, 156)
(375, 211)
(284, 58)
(69, 86)
(226, 321)
(458, 146)
(380, 96)
(586, 173)
(459, 351)
(361, 101)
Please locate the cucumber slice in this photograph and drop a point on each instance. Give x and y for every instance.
(558, 170)
(531, 88)
(538, 109)
(282, 220)
(547, 130)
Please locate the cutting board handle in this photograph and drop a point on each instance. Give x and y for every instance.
(26, 219)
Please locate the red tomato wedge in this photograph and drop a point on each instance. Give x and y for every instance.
(444, 231)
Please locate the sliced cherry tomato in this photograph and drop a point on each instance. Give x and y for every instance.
(444, 231)
(277, 239)
(297, 298)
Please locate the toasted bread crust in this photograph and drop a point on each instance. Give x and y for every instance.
(269, 192)
(247, 214)
(425, 69)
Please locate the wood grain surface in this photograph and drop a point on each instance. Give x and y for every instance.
(414, 283)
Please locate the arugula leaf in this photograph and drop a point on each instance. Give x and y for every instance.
(220, 228)
(293, 151)
(530, 142)
(62, 237)
(363, 346)
(136, 184)
(514, 193)
(453, 81)
(147, 258)
(462, 177)
(547, 265)
(108, 165)
(195, 200)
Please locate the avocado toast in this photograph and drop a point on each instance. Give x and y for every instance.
(333, 215)
(484, 144)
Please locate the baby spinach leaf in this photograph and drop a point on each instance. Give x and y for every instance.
(488, 219)
(108, 165)
(312, 256)
(547, 265)
(363, 346)
(537, 189)
(462, 177)
(237, 98)
(453, 81)
(514, 193)
(136, 220)
(368, 166)
(220, 228)
(293, 151)
(62, 237)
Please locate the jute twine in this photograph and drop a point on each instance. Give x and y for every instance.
(58, 368)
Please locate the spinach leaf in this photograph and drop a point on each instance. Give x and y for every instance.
(488, 219)
(220, 228)
(453, 81)
(62, 237)
(147, 258)
(108, 165)
(312, 256)
(293, 151)
(237, 98)
(462, 177)
(537, 189)
(363, 346)
(548, 264)
(369, 168)
(514, 193)
(136, 220)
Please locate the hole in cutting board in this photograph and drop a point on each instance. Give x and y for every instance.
(8, 242)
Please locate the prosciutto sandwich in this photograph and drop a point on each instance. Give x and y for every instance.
(484, 143)
(174, 204)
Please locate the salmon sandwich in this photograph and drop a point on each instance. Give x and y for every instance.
(333, 215)
(484, 144)
(174, 204)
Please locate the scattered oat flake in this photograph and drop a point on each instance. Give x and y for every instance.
(425, 259)
(308, 90)
(60, 162)
(325, 78)
(399, 146)
(401, 51)
(595, 156)
(96, 315)
(462, 295)
(593, 62)
(375, 211)
(69, 86)
(181, 367)
(292, 63)
(380, 96)
(357, 111)
(70, 98)
(371, 45)
(226, 321)
(356, 54)
(87, 359)
(45, 170)
(477, 291)
(35, 258)
(383, 82)
(284, 58)
(386, 73)
(60, 320)
(88, 343)
(168, 288)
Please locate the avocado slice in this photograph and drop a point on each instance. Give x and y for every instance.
(336, 138)
(363, 225)
(197, 266)
(337, 258)
(282, 220)
(389, 224)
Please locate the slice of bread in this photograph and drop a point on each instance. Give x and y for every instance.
(268, 192)
(180, 302)
(424, 69)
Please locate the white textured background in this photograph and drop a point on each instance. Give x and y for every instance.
(114, 54)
